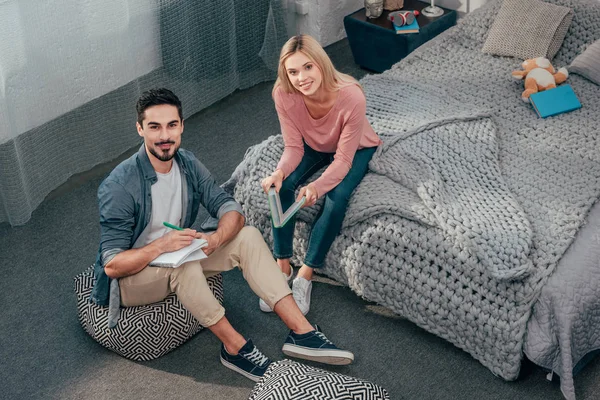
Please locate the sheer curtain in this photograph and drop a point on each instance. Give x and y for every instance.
(71, 71)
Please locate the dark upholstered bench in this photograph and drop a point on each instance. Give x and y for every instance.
(375, 44)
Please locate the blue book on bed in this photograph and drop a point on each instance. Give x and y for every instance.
(555, 101)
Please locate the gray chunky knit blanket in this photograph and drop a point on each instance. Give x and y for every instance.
(471, 200)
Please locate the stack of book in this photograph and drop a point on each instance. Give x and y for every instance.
(410, 28)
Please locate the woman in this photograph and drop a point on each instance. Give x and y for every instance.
(323, 120)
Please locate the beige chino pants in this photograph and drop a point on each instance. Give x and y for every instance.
(247, 250)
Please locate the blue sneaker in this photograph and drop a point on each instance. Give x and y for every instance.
(249, 361)
(315, 346)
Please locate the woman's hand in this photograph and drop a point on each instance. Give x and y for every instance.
(276, 179)
(310, 193)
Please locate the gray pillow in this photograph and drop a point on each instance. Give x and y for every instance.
(528, 29)
(587, 64)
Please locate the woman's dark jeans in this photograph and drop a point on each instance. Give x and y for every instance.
(328, 223)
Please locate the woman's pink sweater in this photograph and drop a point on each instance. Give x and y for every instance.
(343, 130)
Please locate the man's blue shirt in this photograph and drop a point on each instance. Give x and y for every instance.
(125, 205)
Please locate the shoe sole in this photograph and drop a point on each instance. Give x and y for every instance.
(240, 371)
(331, 357)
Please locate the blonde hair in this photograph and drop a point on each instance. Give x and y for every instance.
(332, 79)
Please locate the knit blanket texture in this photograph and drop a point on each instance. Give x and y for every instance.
(471, 200)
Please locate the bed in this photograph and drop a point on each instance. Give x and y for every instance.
(464, 219)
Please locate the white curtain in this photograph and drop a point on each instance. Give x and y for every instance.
(71, 70)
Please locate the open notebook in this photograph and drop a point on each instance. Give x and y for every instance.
(174, 259)
(277, 214)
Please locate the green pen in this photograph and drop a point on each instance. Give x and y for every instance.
(168, 225)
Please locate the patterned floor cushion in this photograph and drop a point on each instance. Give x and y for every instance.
(290, 380)
(144, 332)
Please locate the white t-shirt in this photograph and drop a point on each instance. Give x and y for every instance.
(166, 203)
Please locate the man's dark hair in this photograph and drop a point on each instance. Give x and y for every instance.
(156, 97)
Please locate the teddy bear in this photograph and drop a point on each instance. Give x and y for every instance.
(539, 74)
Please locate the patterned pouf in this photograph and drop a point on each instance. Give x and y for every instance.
(143, 332)
(290, 380)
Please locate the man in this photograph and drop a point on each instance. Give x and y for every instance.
(163, 183)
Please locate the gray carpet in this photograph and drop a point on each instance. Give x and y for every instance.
(44, 353)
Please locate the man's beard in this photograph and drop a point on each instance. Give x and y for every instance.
(163, 155)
